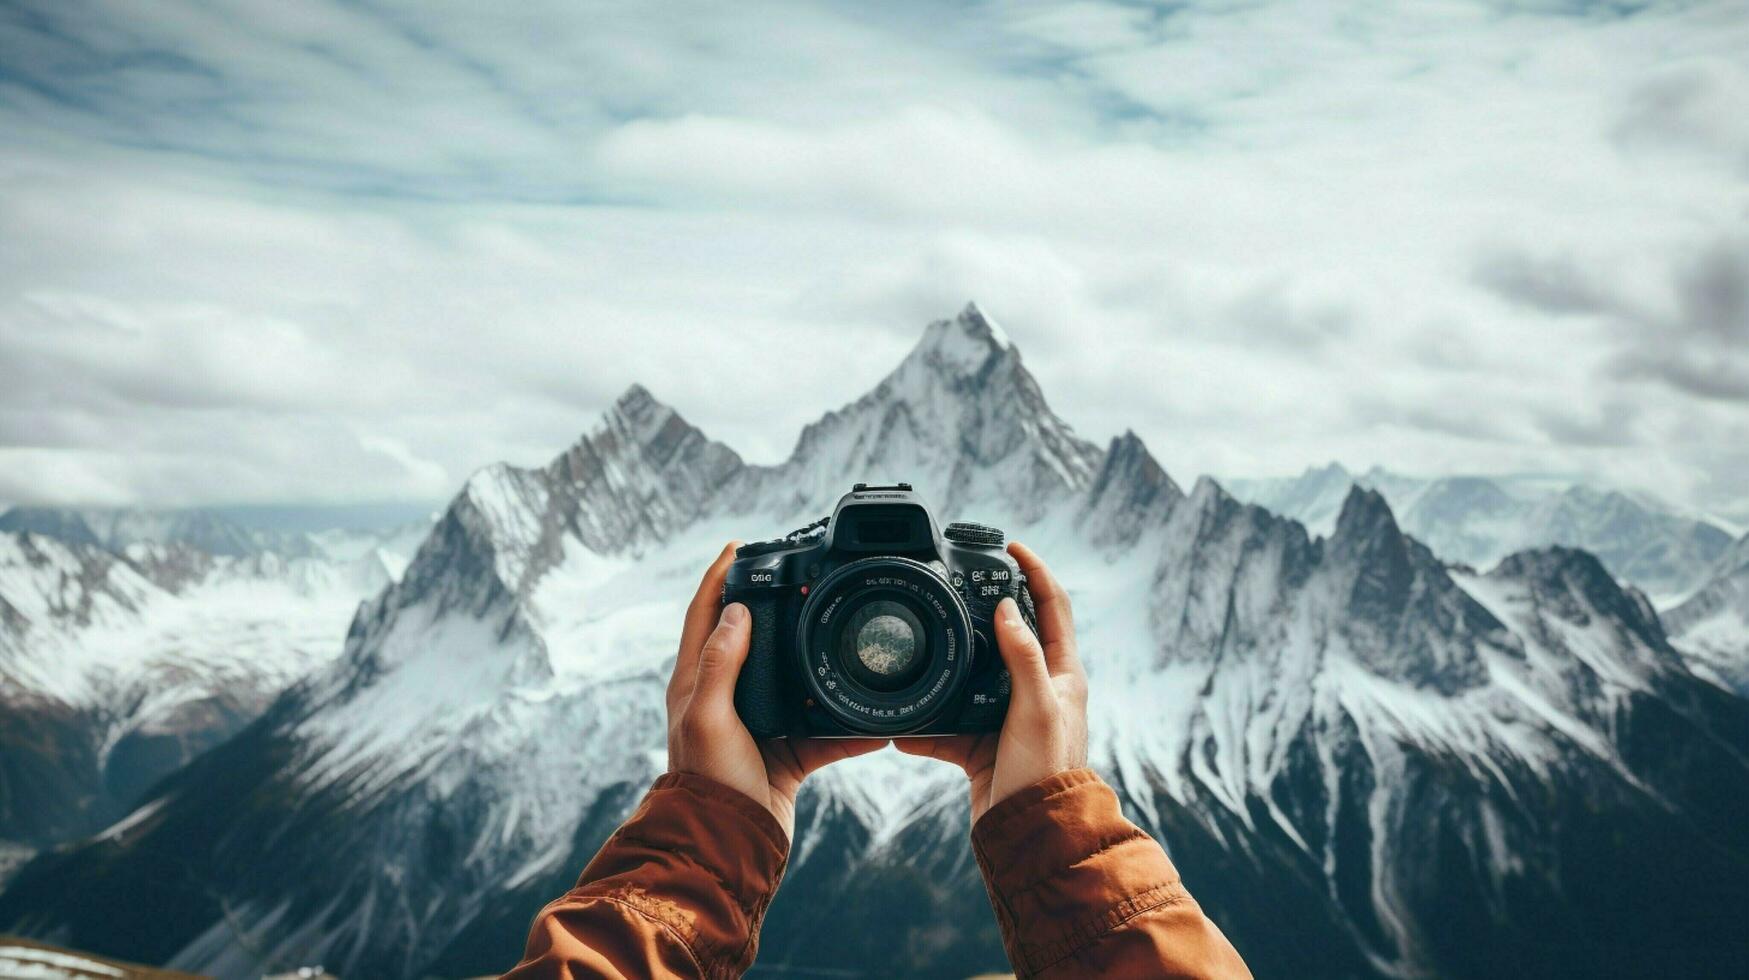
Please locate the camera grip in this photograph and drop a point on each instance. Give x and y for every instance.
(758, 698)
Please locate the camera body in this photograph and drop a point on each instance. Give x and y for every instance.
(875, 622)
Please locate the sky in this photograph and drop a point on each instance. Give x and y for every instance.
(345, 252)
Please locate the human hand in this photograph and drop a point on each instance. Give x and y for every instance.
(706, 736)
(1045, 731)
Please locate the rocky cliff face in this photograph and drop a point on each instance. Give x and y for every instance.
(1366, 762)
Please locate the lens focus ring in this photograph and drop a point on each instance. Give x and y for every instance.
(884, 645)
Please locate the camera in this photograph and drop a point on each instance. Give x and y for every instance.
(874, 621)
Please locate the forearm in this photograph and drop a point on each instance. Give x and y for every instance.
(679, 890)
(1080, 890)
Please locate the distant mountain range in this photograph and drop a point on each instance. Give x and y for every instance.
(1690, 564)
(289, 532)
(1366, 761)
(131, 641)
(1478, 520)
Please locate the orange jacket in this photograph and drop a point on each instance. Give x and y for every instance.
(681, 888)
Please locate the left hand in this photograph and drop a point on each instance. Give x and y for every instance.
(706, 736)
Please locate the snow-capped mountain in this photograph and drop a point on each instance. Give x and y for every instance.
(1712, 626)
(1365, 762)
(125, 654)
(1479, 520)
(960, 418)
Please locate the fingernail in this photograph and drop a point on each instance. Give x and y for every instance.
(734, 614)
(1009, 611)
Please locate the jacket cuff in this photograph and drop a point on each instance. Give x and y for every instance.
(1064, 868)
(1046, 827)
(700, 858)
(751, 839)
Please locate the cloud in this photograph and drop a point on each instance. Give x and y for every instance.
(1687, 329)
(1713, 374)
(1611, 425)
(1713, 290)
(1694, 106)
(1554, 284)
(341, 251)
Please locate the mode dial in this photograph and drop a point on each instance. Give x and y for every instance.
(808, 534)
(965, 532)
(753, 549)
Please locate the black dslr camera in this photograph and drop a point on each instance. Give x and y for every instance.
(875, 622)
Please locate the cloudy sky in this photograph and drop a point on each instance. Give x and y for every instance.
(342, 251)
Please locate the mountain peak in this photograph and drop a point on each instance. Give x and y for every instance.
(1206, 491)
(1129, 492)
(640, 419)
(1328, 472)
(960, 418)
(964, 345)
(1557, 562)
(974, 320)
(634, 398)
(1574, 585)
(636, 410)
(1365, 516)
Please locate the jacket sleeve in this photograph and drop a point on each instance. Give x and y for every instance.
(1079, 890)
(678, 891)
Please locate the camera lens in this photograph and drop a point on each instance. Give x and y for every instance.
(885, 644)
(882, 643)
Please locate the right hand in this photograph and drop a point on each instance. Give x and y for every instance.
(1045, 731)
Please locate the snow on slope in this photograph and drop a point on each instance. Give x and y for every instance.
(120, 665)
(1712, 626)
(47, 584)
(1365, 763)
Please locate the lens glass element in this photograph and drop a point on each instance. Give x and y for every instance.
(886, 644)
(883, 645)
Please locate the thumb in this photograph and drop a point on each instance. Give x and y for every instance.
(1025, 659)
(719, 663)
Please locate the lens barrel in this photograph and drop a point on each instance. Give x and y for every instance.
(885, 644)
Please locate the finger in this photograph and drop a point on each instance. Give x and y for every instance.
(1056, 621)
(1020, 650)
(701, 616)
(703, 612)
(956, 749)
(719, 663)
(815, 753)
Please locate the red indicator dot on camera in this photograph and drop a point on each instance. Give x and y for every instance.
(804, 590)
